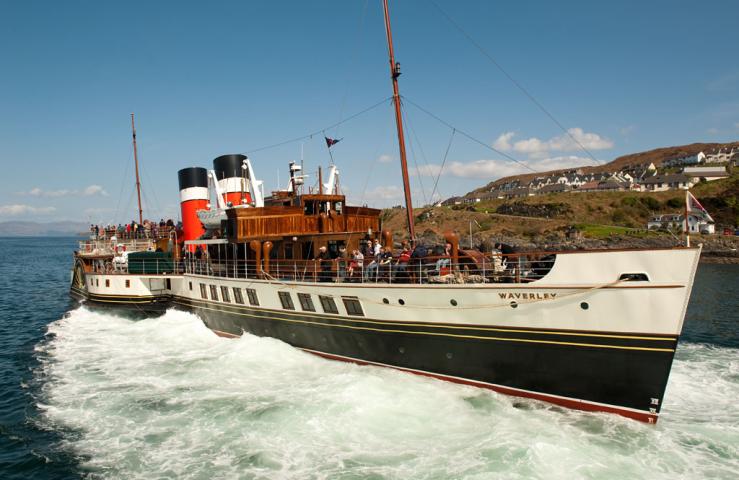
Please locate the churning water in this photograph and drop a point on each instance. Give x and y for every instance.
(114, 397)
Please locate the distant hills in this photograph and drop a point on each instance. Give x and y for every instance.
(36, 229)
(656, 156)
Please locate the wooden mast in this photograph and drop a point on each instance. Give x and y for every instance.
(394, 74)
(136, 163)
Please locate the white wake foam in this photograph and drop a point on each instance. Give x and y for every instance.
(165, 397)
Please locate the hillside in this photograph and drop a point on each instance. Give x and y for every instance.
(35, 229)
(656, 156)
(603, 218)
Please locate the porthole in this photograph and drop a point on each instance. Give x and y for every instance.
(453, 302)
(584, 305)
(385, 301)
(401, 349)
(449, 356)
(514, 305)
(401, 301)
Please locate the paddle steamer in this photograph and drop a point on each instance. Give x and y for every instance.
(591, 330)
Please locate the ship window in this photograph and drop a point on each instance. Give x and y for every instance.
(224, 294)
(238, 297)
(252, 295)
(353, 307)
(306, 302)
(97, 282)
(203, 293)
(634, 277)
(107, 282)
(328, 304)
(213, 293)
(91, 282)
(286, 300)
(169, 284)
(128, 283)
(191, 286)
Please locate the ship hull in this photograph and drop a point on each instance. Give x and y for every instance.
(623, 374)
(603, 344)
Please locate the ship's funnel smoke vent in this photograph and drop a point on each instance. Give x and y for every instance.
(230, 175)
(194, 196)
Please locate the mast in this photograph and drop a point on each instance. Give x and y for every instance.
(394, 74)
(136, 163)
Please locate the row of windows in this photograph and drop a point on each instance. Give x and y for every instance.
(107, 283)
(225, 294)
(352, 305)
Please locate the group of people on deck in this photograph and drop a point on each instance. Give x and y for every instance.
(372, 261)
(133, 230)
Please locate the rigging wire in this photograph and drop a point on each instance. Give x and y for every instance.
(312, 134)
(513, 80)
(438, 175)
(123, 182)
(465, 134)
(413, 156)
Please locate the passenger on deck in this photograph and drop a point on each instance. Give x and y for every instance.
(401, 265)
(376, 247)
(372, 269)
(357, 263)
(325, 262)
(445, 260)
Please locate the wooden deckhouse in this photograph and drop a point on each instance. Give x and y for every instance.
(294, 227)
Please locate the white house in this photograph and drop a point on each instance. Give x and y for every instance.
(723, 155)
(697, 224)
(660, 183)
(696, 159)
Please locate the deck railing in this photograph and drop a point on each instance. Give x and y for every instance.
(512, 268)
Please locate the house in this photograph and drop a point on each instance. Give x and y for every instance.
(590, 186)
(452, 201)
(696, 223)
(661, 183)
(696, 159)
(554, 188)
(722, 155)
(519, 193)
(707, 173)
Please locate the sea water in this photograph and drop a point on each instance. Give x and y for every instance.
(109, 396)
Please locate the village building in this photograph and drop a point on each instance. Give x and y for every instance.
(661, 183)
(697, 224)
(723, 155)
(706, 173)
(696, 159)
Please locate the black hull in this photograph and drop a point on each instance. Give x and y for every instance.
(148, 305)
(619, 373)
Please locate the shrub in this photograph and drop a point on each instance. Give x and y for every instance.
(650, 202)
(675, 203)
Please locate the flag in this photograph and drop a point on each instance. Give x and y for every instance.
(693, 205)
(331, 142)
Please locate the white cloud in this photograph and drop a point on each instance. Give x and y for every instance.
(385, 158)
(94, 190)
(86, 192)
(18, 209)
(487, 170)
(503, 142)
(390, 192)
(535, 148)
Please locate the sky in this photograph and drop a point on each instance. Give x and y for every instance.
(210, 78)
